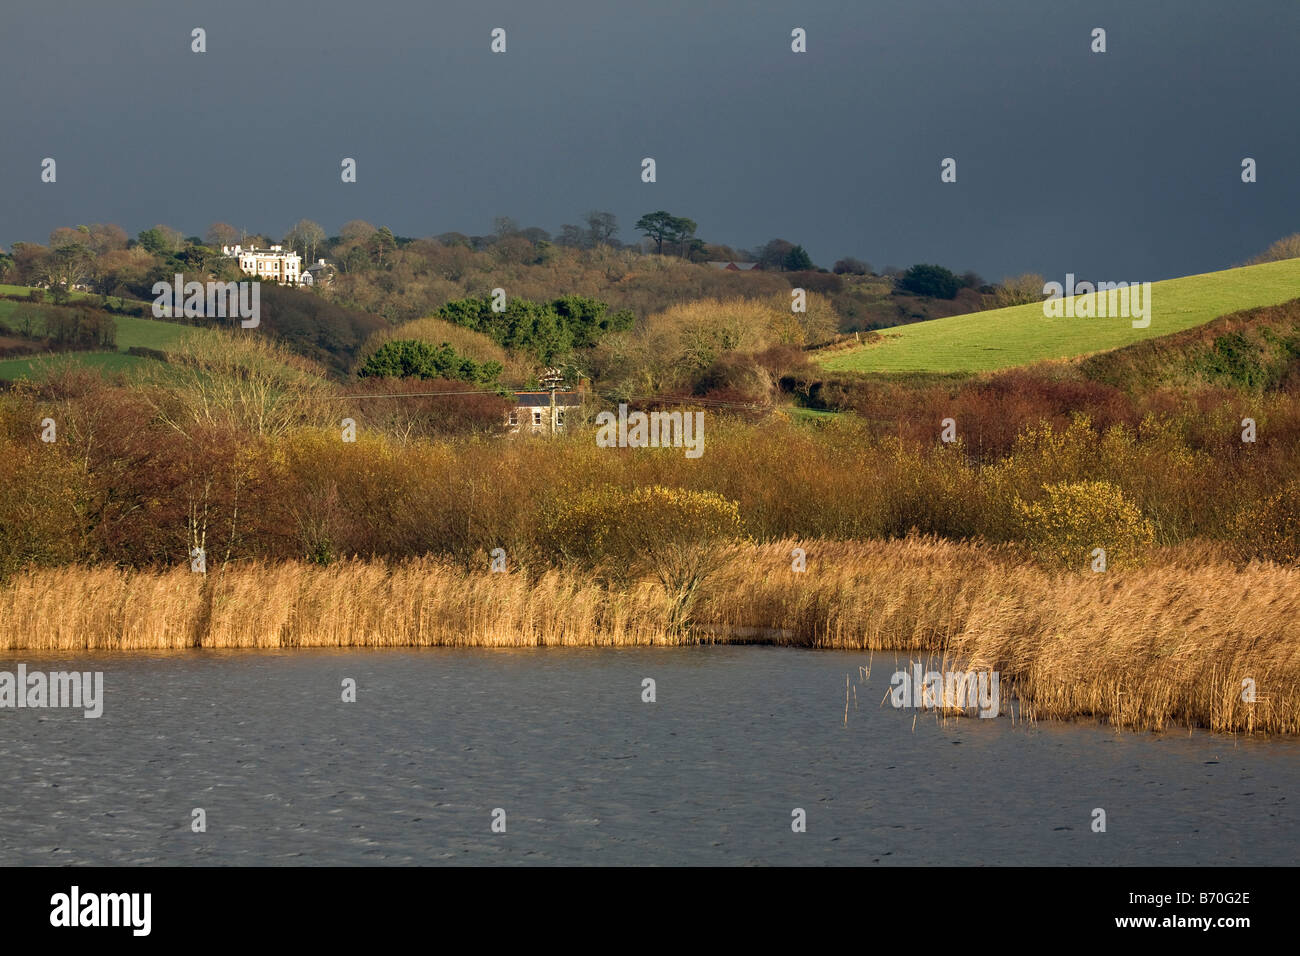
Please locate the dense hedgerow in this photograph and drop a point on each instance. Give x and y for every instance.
(238, 448)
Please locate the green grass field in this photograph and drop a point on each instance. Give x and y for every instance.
(25, 290)
(132, 332)
(37, 367)
(1020, 335)
(146, 333)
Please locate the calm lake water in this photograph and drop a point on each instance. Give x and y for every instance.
(587, 773)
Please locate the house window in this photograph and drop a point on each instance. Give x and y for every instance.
(537, 416)
(559, 418)
(514, 418)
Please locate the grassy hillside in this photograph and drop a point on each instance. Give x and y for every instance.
(1253, 350)
(11, 370)
(132, 332)
(1002, 338)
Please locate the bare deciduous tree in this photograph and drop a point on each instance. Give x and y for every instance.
(305, 237)
(1019, 290)
(222, 234)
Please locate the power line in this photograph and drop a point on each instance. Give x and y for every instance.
(480, 391)
(708, 402)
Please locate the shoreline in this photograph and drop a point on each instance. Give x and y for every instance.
(1150, 648)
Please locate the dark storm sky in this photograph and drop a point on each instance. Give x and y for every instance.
(1119, 166)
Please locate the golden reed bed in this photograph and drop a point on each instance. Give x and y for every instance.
(1162, 646)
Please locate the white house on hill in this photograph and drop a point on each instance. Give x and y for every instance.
(274, 264)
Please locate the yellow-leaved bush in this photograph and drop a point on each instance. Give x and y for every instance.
(1073, 518)
(674, 534)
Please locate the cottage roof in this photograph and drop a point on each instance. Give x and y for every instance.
(528, 399)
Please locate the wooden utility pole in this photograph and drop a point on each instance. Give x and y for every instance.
(552, 378)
